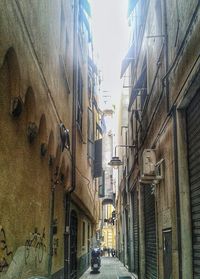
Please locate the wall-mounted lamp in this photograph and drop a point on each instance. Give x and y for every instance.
(64, 136)
(115, 162)
(16, 107)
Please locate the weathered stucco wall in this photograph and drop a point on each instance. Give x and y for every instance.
(170, 41)
(36, 61)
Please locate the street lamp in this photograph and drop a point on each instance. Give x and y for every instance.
(115, 162)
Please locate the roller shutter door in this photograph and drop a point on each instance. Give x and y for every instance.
(150, 233)
(193, 136)
(135, 233)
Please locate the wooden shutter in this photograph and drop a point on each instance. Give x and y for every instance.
(98, 158)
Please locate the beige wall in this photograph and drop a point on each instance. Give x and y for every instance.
(36, 60)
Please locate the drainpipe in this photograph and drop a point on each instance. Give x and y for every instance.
(177, 190)
(51, 229)
(166, 84)
(73, 173)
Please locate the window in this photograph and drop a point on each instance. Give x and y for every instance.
(80, 100)
(98, 158)
(83, 234)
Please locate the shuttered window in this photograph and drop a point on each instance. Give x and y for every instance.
(98, 158)
(193, 137)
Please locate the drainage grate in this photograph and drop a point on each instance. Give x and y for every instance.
(124, 277)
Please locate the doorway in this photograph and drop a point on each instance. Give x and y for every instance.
(167, 253)
(73, 244)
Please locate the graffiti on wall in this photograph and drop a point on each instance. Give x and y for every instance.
(5, 253)
(36, 245)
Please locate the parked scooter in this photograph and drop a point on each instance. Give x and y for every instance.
(95, 259)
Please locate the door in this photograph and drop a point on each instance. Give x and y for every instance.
(127, 238)
(167, 253)
(73, 245)
(193, 137)
(150, 233)
(88, 244)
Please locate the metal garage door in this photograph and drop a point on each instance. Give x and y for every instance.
(150, 233)
(193, 133)
(135, 233)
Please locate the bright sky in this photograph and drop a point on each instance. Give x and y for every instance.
(110, 36)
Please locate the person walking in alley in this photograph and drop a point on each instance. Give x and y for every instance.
(109, 252)
(113, 252)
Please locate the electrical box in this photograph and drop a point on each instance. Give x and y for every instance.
(148, 162)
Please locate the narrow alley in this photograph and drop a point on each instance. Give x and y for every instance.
(99, 139)
(111, 268)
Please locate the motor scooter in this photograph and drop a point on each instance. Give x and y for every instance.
(95, 259)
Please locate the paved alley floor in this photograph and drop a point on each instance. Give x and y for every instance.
(111, 268)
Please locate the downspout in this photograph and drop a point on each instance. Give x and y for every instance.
(73, 172)
(166, 82)
(176, 169)
(51, 229)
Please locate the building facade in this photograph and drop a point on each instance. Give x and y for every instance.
(163, 171)
(107, 206)
(48, 200)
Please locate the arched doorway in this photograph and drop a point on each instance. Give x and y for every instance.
(73, 244)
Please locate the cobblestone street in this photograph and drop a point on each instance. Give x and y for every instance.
(111, 268)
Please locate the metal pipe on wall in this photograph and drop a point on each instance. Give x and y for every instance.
(51, 230)
(176, 173)
(166, 54)
(73, 172)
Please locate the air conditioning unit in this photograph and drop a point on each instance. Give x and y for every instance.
(152, 171)
(148, 162)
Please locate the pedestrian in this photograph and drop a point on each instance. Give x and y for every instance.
(108, 252)
(113, 252)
